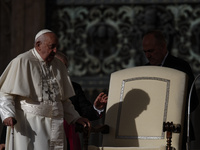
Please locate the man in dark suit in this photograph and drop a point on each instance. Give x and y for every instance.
(85, 108)
(155, 49)
(79, 100)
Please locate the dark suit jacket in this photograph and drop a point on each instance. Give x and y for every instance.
(181, 65)
(82, 104)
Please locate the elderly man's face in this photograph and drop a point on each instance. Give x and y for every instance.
(154, 52)
(47, 48)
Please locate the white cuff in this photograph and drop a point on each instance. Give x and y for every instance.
(99, 111)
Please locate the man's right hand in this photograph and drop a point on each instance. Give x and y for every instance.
(10, 121)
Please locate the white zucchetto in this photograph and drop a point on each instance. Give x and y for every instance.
(42, 32)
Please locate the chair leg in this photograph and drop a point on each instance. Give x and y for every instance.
(170, 128)
(169, 141)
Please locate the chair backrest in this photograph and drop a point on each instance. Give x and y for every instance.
(140, 99)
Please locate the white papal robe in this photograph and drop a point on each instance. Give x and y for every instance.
(36, 95)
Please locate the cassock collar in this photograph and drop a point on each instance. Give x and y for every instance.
(36, 54)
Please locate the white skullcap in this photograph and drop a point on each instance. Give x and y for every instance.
(42, 32)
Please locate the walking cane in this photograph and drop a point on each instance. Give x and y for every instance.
(12, 132)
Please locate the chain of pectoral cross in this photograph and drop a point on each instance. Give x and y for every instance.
(45, 78)
(48, 82)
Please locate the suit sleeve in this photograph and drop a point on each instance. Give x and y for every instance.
(82, 104)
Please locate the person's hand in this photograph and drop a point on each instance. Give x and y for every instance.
(2, 146)
(84, 121)
(10, 121)
(101, 101)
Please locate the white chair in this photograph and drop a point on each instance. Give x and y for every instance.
(143, 103)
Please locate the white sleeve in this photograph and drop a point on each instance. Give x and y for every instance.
(7, 106)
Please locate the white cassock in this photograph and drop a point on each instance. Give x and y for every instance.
(37, 95)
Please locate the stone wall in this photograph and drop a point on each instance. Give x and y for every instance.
(20, 20)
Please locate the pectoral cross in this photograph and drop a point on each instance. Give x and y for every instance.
(49, 93)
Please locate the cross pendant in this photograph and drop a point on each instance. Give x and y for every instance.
(49, 93)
